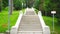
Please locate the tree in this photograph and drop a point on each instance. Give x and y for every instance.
(52, 5)
(36, 4)
(29, 3)
(17, 4)
(58, 11)
(5, 3)
(0, 5)
(10, 6)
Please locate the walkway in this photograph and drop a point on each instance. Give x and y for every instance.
(30, 22)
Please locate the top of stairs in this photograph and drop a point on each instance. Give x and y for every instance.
(30, 11)
(30, 22)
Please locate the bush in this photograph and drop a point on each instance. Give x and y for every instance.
(36, 4)
(17, 5)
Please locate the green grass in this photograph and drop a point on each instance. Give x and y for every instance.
(14, 16)
(48, 21)
(4, 20)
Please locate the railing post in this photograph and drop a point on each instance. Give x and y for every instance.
(46, 30)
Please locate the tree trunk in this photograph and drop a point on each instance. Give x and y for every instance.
(10, 6)
(41, 5)
(0, 5)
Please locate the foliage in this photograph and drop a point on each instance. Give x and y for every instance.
(36, 11)
(17, 5)
(48, 21)
(36, 4)
(5, 3)
(51, 5)
(0, 5)
(4, 20)
(29, 3)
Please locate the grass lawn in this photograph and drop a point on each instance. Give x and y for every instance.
(48, 21)
(13, 19)
(4, 20)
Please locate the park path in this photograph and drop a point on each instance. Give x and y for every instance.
(29, 22)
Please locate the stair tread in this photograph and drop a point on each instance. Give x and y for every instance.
(30, 12)
(30, 23)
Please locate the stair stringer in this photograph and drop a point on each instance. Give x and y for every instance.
(46, 29)
(14, 29)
